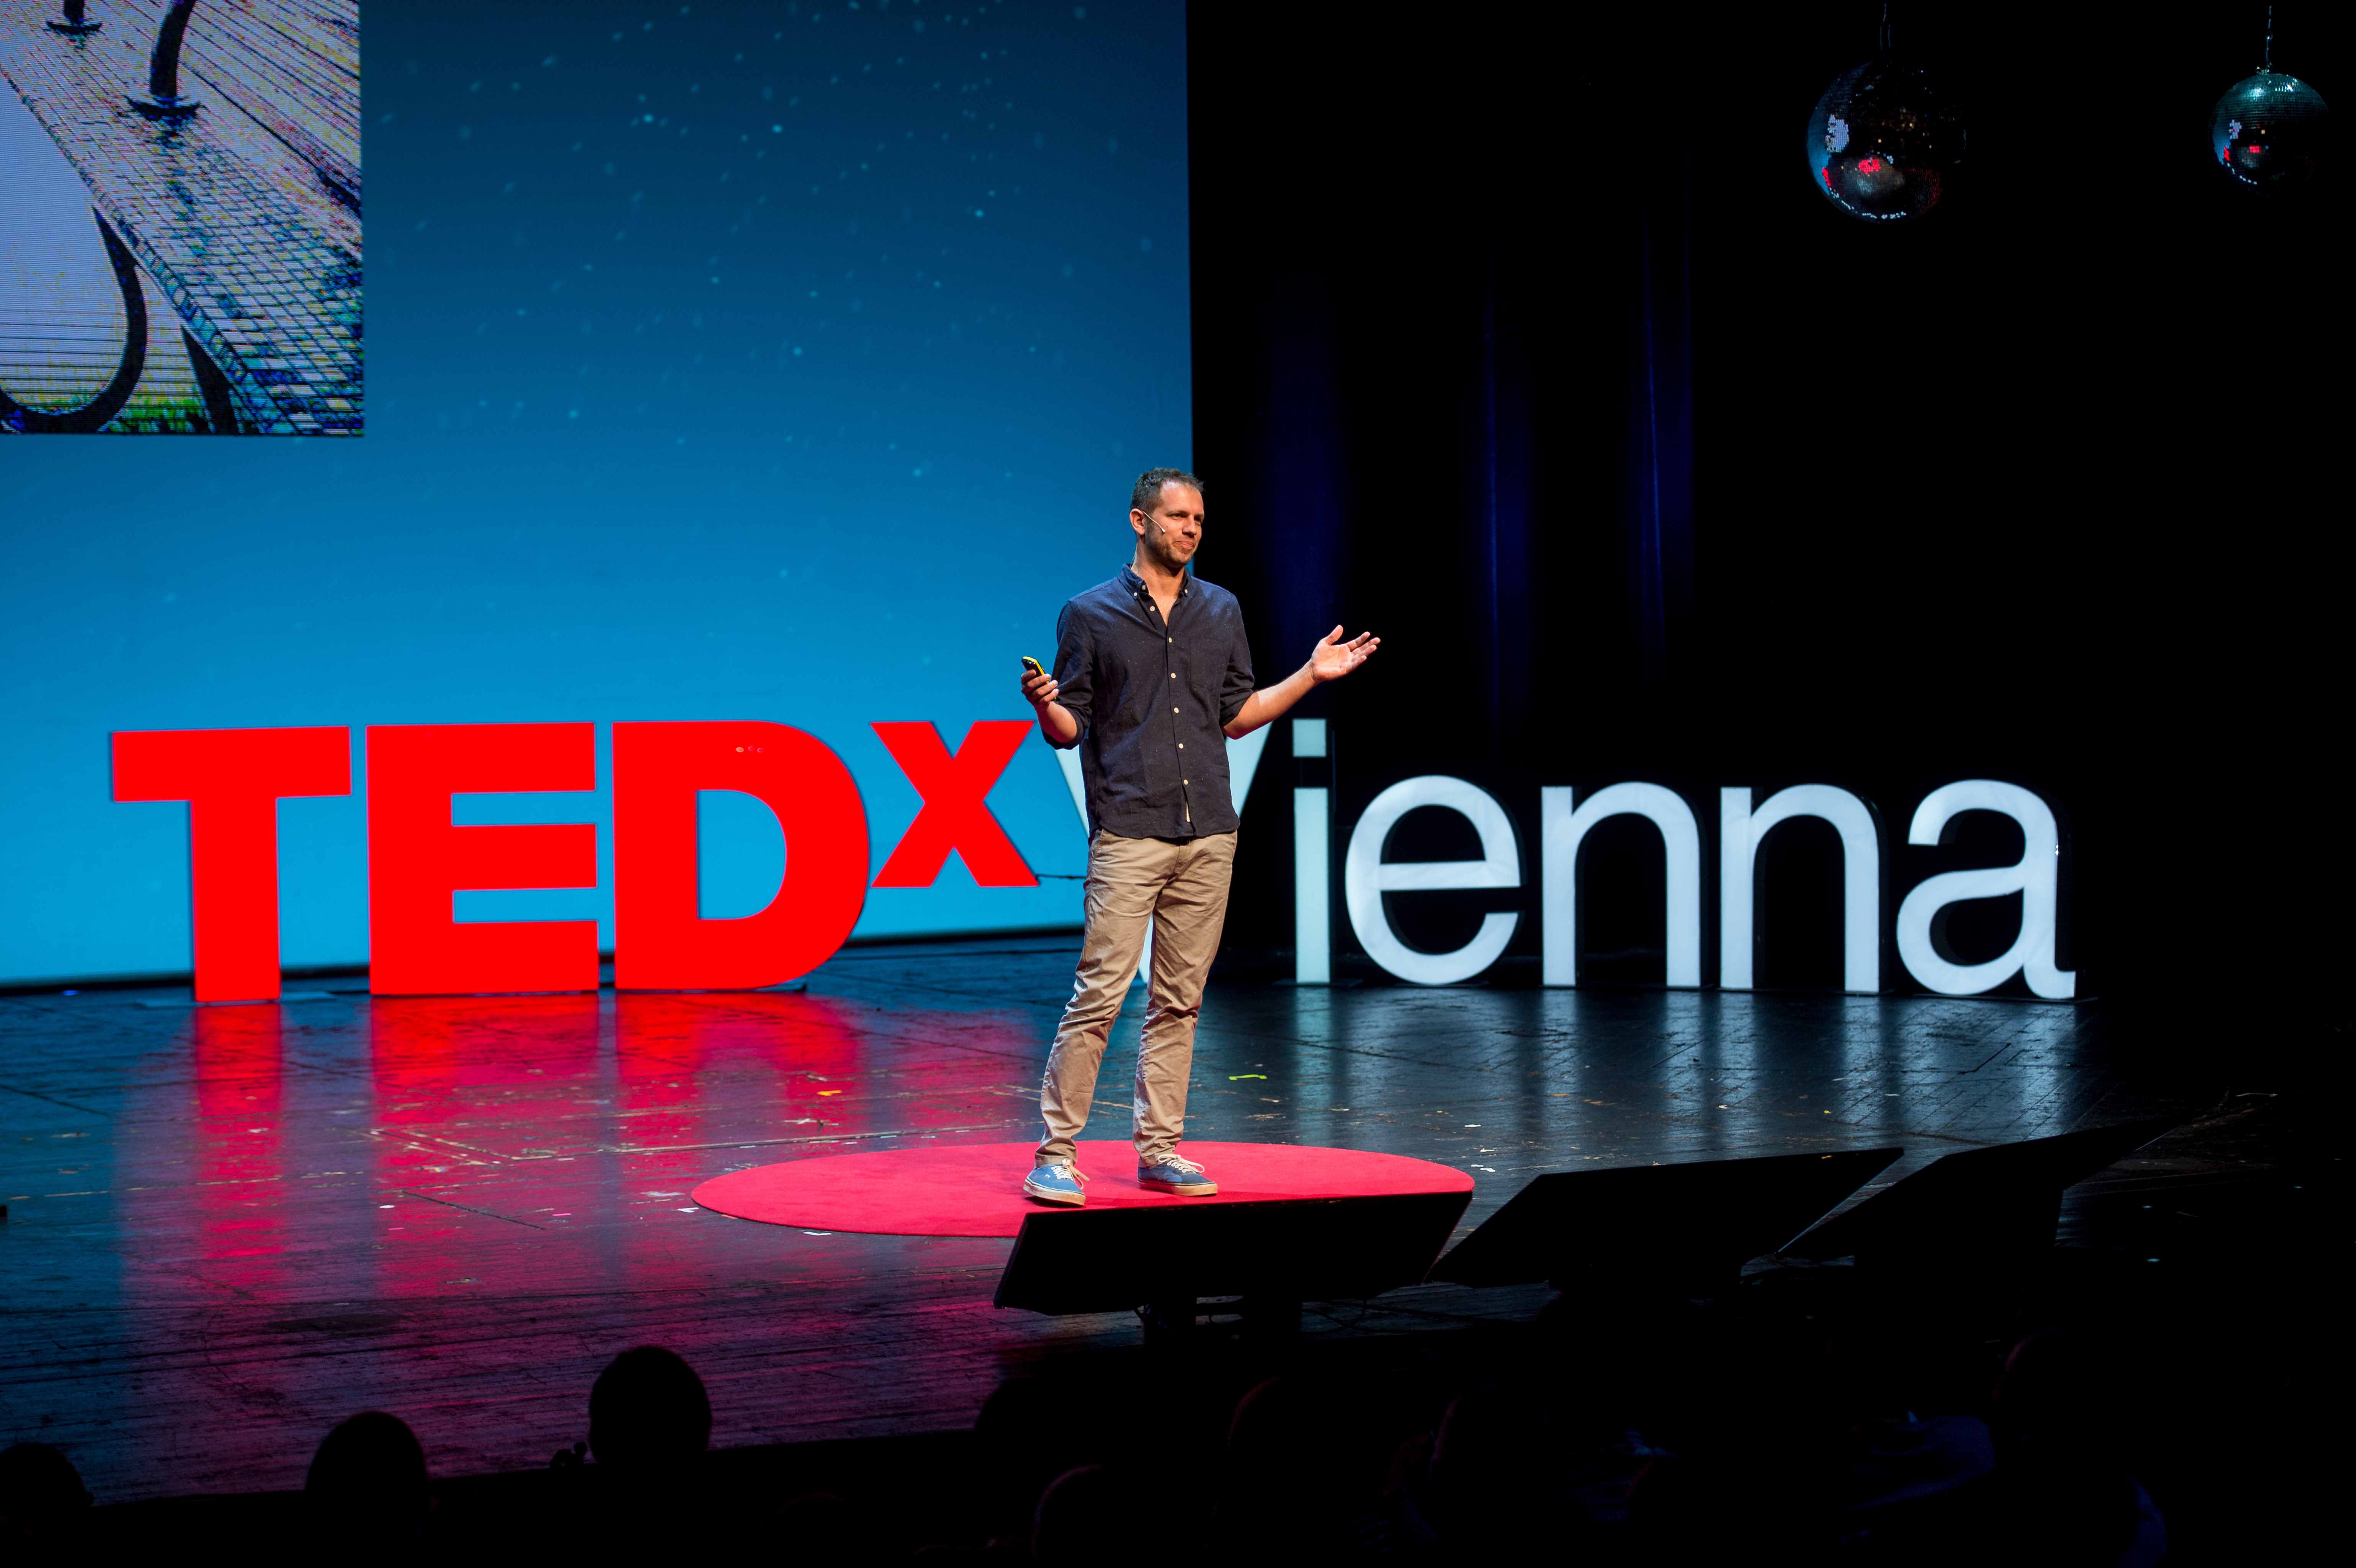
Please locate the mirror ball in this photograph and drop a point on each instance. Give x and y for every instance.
(1881, 144)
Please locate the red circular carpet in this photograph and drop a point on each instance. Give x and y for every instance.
(975, 1190)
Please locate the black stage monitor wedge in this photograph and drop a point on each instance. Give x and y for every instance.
(1673, 1228)
(1310, 1249)
(2006, 1198)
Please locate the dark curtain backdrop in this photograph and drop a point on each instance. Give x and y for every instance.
(1522, 339)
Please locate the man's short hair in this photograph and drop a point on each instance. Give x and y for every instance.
(1148, 494)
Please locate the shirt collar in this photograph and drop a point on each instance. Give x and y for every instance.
(1136, 584)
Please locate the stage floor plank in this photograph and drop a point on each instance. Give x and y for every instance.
(231, 1227)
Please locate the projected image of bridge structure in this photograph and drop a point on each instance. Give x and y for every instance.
(182, 252)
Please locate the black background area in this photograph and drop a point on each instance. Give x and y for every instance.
(2036, 489)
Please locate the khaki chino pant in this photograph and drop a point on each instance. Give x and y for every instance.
(1179, 888)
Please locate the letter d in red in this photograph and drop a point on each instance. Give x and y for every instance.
(661, 944)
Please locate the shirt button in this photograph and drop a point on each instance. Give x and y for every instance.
(1173, 710)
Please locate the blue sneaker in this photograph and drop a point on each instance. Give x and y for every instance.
(1172, 1174)
(1058, 1183)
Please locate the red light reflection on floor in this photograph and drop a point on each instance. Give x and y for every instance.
(205, 1185)
(660, 1046)
(984, 1068)
(237, 1197)
(468, 1073)
(697, 1070)
(534, 1144)
(699, 1083)
(203, 1194)
(471, 1091)
(536, 1140)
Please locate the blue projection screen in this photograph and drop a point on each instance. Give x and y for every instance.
(787, 362)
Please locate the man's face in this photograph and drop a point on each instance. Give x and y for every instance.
(1174, 528)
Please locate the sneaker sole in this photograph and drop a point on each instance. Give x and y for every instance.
(1181, 1189)
(1070, 1200)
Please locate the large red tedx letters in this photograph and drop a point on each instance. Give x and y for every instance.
(955, 815)
(418, 860)
(660, 943)
(233, 781)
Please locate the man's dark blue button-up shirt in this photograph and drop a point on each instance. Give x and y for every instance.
(1153, 699)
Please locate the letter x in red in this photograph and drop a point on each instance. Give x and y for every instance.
(955, 815)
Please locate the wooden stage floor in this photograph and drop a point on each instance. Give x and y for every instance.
(231, 1227)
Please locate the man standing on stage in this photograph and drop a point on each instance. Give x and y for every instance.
(1152, 677)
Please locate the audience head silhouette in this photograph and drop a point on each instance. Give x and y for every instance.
(1488, 1470)
(648, 1408)
(1024, 1441)
(41, 1496)
(1303, 1457)
(370, 1471)
(1081, 1509)
(2051, 1380)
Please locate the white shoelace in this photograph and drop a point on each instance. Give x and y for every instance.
(1180, 1163)
(1067, 1166)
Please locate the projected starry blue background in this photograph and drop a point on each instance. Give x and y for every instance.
(786, 362)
